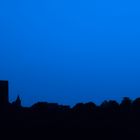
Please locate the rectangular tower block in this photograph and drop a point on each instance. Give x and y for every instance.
(4, 92)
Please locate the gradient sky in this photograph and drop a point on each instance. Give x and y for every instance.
(70, 51)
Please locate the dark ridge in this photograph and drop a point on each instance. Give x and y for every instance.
(110, 120)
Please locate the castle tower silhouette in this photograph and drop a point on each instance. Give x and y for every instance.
(3, 93)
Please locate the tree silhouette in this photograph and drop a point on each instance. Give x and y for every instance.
(126, 104)
(110, 105)
(136, 105)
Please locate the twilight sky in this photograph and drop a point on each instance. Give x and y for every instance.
(70, 51)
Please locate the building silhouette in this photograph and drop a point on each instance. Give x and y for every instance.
(17, 102)
(3, 93)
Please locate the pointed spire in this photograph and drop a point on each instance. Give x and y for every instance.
(17, 102)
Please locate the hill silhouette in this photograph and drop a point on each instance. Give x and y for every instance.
(110, 120)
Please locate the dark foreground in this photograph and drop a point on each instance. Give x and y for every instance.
(44, 121)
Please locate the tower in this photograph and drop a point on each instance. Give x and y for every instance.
(3, 93)
(17, 102)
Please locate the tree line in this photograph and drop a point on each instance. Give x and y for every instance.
(109, 120)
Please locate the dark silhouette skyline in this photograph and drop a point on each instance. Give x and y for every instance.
(110, 120)
(69, 63)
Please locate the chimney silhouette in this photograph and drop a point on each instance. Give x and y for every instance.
(3, 93)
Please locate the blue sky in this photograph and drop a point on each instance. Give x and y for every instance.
(70, 51)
